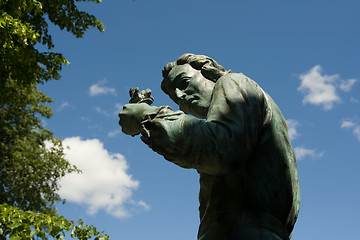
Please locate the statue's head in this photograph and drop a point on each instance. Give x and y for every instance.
(189, 82)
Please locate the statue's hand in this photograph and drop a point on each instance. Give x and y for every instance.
(131, 116)
(140, 97)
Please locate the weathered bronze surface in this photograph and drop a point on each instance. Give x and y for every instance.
(249, 185)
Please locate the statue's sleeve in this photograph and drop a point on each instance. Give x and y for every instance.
(218, 145)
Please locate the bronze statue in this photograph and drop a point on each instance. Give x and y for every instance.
(249, 187)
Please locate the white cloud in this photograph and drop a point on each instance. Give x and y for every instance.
(356, 132)
(319, 89)
(104, 183)
(118, 108)
(292, 124)
(85, 119)
(355, 127)
(63, 106)
(346, 85)
(101, 111)
(100, 89)
(95, 127)
(114, 132)
(302, 152)
(347, 124)
(354, 100)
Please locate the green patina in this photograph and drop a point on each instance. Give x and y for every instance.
(249, 186)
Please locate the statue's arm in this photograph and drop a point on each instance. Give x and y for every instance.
(220, 144)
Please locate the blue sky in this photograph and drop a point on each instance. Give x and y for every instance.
(305, 54)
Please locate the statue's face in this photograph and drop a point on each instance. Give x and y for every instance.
(190, 90)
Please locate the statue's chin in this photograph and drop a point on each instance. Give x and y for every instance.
(196, 112)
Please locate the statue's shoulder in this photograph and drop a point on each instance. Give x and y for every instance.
(236, 78)
(233, 75)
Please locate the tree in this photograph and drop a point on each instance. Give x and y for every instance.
(30, 170)
(27, 225)
(31, 158)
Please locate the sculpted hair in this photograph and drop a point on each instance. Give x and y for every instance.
(209, 68)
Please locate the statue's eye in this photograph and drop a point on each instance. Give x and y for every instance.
(184, 83)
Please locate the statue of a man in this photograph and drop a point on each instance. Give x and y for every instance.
(249, 187)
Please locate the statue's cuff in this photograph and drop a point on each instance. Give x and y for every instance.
(150, 115)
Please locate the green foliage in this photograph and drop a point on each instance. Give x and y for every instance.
(23, 23)
(17, 224)
(31, 158)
